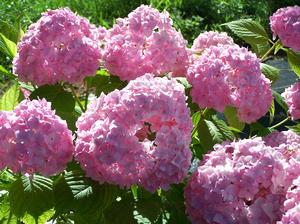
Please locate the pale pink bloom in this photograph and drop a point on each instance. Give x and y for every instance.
(137, 135)
(285, 23)
(238, 182)
(292, 204)
(228, 75)
(211, 38)
(292, 98)
(36, 140)
(145, 42)
(60, 46)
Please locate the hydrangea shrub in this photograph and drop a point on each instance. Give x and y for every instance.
(130, 125)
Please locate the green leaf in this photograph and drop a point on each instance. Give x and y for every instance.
(149, 208)
(6, 216)
(70, 118)
(261, 49)
(24, 85)
(272, 112)
(278, 47)
(74, 192)
(46, 216)
(173, 201)
(184, 82)
(11, 98)
(270, 72)
(294, 61)
(279, 99)
(7, 47)
(252, 33)
(6, 179)
(225, 131)
(6, 73)
(295, 128)
(258, 129)
(232, 118)
(120, 212)
(196, 118)
(249, 30)
(62, 101)
(31, 195)
(214, 131)
(205, 137)
(11, 31)
(103, 82)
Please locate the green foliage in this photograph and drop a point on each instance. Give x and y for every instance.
(252, 33)
(6, 73)
(232, 118)
(295, 128)
(32, 195)
(6, 215)
(104, 82)
(11, 98)
(278, 98)
(7, 47)
(270, 72)
(294, 61)
(77, 193)
(61, 100)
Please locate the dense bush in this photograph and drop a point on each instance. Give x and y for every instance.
(131, 125)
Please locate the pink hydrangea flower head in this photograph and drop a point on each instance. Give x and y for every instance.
(211, 38)
(288, 144)
(145, 42)
(41, 141)
(138, 135)
(285, 23)
(60, 46)
(228, 75)
(238, 182)
(6, 136)
(292, 204)
(292, 98)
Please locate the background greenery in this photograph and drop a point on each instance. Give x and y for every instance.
(190, 16)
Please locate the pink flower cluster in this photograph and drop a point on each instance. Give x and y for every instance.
(292, 205)
(6, 136)
(292, 98)
(211, 38)
(34, 140)
(247, 182)
(238, 182)
(145, 42)
(228, 75)
(138, 135)
(60, 46)
(288, 144)
(285, 23)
